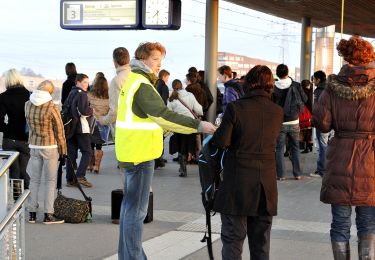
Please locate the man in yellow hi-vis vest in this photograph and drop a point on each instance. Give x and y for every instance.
(141, 118)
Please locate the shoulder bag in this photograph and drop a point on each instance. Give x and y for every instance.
(73, 210)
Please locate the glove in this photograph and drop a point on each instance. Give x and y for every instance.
(62, 159)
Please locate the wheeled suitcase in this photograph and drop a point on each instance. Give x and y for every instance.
(150, 210)
(116, 200)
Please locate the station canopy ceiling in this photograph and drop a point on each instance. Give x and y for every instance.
(358, 14)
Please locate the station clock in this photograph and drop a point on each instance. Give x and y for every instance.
(161, 14)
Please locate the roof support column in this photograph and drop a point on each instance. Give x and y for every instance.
(211, 42)
(306, 35)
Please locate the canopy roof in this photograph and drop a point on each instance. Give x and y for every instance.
(358, 14)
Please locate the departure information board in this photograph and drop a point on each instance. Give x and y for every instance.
(113, 14)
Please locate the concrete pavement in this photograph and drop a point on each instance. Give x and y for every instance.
(300, 231)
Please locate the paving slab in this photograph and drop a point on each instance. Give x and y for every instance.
(300, 231)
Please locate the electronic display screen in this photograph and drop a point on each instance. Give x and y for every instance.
(113, 14)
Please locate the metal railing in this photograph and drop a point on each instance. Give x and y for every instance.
(12, 211)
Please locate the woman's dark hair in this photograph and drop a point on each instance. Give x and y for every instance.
(70, 69)
(259, 77)
(305, 83)
(192, 78)
(100, 88)
(201, 75)
(176, 85)
(356, 50)
(193, 70)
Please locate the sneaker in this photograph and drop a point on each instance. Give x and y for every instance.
(32, 217)
(84, 182)
(71, 184)
(297, 178)
(281, 178)
(50, 218)
(316, 175)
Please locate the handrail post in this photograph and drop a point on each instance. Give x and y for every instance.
(6, 160)
(3, 195)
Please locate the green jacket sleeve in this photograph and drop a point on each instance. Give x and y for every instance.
(148, 103)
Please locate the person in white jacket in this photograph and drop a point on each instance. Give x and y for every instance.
(184, 103)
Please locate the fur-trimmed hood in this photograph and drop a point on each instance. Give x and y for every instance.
(353, 82)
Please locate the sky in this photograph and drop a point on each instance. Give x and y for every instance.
(31, 37)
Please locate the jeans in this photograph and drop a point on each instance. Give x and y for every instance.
(341, 222)
(292, 133)
(134, 210)
(43, 162)
(233, 234)
(83, 143)
(18, 169)
(322, 143)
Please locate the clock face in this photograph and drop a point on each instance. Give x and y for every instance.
(157, 12)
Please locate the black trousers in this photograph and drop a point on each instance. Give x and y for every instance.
(18, 169)
(83, 143)
(233, 233)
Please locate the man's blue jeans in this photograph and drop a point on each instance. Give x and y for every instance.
(134, 210)
(292, 133)
(322, 143)
(341, 222)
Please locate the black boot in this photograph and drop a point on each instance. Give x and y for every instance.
(341, 250)
(366, 247)
(182, 161)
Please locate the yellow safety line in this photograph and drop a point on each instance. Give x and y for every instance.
(342, 24)
(342, 16)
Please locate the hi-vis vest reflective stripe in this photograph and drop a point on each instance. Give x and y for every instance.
(137, 139)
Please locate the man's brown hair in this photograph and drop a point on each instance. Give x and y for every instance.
(121, 56)
(145, 48)
(80, 77)
(225, 70)
(163, 73)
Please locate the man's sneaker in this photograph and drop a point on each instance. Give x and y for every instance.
(281, 178)
(50, 218)
(298, 178)
(32, 217)
(84, 182)
(316, 175)
(71, 184)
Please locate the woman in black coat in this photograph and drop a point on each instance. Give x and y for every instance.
(247, 197)
(15, 130)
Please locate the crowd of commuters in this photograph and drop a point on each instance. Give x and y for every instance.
(137, 106)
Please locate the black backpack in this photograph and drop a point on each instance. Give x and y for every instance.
(294, 102)
(210, 165)
(67, 118)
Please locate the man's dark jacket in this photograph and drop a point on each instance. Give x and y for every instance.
(280, 94)
(163, 90)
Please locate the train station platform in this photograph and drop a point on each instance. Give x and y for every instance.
(300, 231)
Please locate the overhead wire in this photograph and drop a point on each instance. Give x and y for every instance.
(249, 15)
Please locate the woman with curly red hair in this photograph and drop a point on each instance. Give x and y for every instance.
(347, 105)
